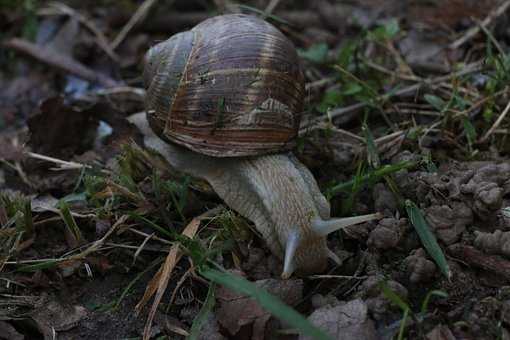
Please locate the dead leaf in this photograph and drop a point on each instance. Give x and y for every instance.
(440, 332)
(62, 131)
(348, 321)
(236, 310)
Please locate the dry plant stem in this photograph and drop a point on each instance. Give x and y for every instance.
(66, 165)
(496, 123)
(395, 74)
(141, 246)
(271, 6)
(136, 92)
(173, 257)
(152, 236)
(476, 258)
(59, 61)
(97, 244)
(495, 13)
(139, 15)
(491, 37)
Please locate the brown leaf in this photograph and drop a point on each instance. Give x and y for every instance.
(237, 310)
(61, 131)
(440, 332)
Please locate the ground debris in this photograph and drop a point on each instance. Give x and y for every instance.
(388, 233)
(449, 221)
(478, 259)
(344, 321)
(235, 310)
(418, 267)
(61, 131)
(440, 332)
(378, 305)
(497, 242)
(488, 186)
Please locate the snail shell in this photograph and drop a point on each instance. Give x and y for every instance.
(231, 86)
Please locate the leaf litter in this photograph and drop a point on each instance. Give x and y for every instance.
(406, 104)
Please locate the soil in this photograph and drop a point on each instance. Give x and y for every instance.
(405, 114)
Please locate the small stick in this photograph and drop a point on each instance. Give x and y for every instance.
(496, 123)
(498, 11)
(271, 6)
(479, 259)
(139, 15)
(59, 61)
(65, 164)
(491, 37)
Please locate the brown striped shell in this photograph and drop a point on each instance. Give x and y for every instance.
(231, 86)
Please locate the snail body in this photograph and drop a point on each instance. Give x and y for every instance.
(224, 103)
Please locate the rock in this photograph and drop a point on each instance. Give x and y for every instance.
(488, 185)
(440, 332)
(493, 243)
(346, 321)
(418, 267)
(449, 221)
(376, 302)
(384, 199)
(388, 233)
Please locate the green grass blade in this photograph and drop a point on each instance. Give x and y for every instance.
(70, 222)
(397, 300)
(203, 313)
(270, 302)
(393, 297)
(153, 225)
(372, 152)
(401, 332)
(427, 238)
(27, 214)
(38, 266)
(425, 304)
(371, 176)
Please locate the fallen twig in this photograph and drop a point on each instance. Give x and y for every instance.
(498, 11)
(138, 16)
(476, 258)
(65, 165)
(59, 61)
(496, 124)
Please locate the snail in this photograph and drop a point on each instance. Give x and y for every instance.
(224, 103)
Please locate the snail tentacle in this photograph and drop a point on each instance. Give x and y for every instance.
(289, 266)
(323, 228)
